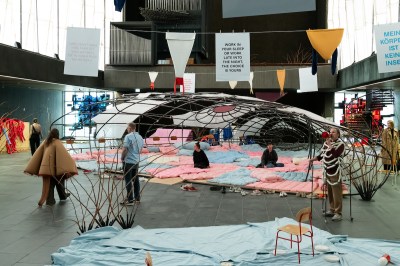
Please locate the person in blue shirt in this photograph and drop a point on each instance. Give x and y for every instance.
(133, 144)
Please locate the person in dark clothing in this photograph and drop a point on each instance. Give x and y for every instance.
(269, 158)
(199, 157)
(35, 132)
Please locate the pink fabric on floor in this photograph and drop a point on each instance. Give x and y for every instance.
(184, 160)
(81, 156)
(254, 154)
(106, 159)
(214, 171)
(169, 150)
(175, 172)
(95, 152)
(267, 175)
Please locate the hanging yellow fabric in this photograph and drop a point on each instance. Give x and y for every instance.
(325, 41)
(281, 73)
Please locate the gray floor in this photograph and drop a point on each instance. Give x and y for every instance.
(29, 235)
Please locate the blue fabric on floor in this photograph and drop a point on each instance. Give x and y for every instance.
(248, 162)
(245, 245)
(225, 156)
(238, 177)
(294, 176)
(252, 147)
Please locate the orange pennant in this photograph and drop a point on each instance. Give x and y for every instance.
(325, 41)
(281, 73)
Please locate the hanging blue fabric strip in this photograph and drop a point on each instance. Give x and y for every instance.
(119, 4)
(314, 66)
(334, 61)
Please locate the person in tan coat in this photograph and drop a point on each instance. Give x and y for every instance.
(54, 164)
(390, 142)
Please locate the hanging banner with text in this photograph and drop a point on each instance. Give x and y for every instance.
(232, 59)
(189, 79)
(388, 47)
(82, 52)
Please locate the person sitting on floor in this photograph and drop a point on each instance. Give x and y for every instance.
(199, 157)
(269, 159)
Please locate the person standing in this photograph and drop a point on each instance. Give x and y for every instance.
(54, 164)
(133, 144)
(331, 156)
(390, 143)
(35, 134)
(200, 159)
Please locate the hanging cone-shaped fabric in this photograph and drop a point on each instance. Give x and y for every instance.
(232, 84)
(281, 73)
(153, 76)
(251, 82)
(180, 46)
(325, 41)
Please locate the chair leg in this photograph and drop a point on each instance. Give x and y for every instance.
(276, 242)
(291, 240)
(312, 245)
(298, 248)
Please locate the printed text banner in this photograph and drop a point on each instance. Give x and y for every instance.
(232, 56)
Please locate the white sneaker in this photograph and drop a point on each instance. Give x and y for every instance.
(244, 193)
(337, 217)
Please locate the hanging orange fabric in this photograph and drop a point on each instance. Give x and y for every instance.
(281, 73)
(325, 41)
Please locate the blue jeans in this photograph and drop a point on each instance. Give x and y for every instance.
(271, 165)
(130, 174)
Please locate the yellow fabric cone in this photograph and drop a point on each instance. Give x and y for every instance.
(281, 79)
(325, 41)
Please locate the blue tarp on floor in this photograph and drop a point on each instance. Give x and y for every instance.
(249, 244)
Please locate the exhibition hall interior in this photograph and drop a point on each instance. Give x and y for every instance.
(199, 132)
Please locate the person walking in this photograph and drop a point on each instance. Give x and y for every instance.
(35, 134)
(54, 164)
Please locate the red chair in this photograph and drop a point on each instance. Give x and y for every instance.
(298, 230)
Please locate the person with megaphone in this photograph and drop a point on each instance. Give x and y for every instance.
(331, 155)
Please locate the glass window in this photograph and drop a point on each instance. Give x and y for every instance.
(358, 19)
(39, 24)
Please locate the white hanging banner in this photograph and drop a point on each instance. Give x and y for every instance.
(180, 46)
(251, 82)
(189, 80)
(388, 47)
(232, 84)
(232, 56)
(152, 76)
(82, 52)
(308, 81)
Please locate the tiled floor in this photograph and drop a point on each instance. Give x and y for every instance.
(29, 235)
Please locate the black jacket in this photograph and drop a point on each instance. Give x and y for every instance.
(200, 159)
(269, 157)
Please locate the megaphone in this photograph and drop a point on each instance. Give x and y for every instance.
(325, 135)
